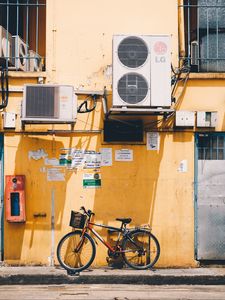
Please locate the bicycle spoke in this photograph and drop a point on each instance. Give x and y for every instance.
(141, 249)
(75, 254)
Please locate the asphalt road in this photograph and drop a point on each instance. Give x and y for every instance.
(112, 292)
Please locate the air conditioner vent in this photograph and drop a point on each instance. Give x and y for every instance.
(132, 88)
(42, 102)
(132, 52)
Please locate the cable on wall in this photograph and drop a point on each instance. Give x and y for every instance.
(4, 88)
(83, 108)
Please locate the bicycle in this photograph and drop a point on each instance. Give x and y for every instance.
(76, 250)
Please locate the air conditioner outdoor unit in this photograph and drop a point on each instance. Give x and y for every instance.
(52, 104)
(5, 45)
(35, 62)
(141, 71)
(20, 53)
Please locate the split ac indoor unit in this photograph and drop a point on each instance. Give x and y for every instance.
(5, 45)
(43, 103)
(20, 53)
(141, 71)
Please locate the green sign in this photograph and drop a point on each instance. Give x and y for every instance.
(91, 180)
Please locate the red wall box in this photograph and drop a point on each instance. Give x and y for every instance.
(15, 198)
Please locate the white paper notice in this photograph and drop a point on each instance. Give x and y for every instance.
(51, 162)
(152, 141)
(124, 155)
(92, 160)
(106, 156)
(55, 174)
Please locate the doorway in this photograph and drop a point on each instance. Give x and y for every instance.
(210, 196)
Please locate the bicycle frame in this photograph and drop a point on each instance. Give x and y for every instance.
(100, 238)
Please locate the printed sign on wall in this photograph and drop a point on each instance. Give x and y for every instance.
(124, 155)
(152, 141)
(106, 156)
(91, 180)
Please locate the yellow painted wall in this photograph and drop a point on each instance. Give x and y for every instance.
(150, 189)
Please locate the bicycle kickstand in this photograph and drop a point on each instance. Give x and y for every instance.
(73, 273)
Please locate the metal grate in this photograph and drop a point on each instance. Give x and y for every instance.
(41, 102)
(23, 34)
(132, 88)
(132, 52)
(211, 147)
(204, 28)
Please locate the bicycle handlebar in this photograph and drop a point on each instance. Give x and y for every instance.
(89, 212)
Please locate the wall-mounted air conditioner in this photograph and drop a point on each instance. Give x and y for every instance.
(20, 53)
(44, 103)
(141, 71)
(5, 45)
(35, 62)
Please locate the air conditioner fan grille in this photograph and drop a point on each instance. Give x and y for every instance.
(132, 52)
(132, 88)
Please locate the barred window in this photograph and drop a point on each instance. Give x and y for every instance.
(204, 34)
(211, 147)
(23, 34)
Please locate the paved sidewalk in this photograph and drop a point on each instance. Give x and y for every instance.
(56, 275)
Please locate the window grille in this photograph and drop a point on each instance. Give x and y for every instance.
(23, 34)
(211, 147)
(204, 34)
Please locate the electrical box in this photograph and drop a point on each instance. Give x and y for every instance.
(185, 118)
(15, 198)
(9, 120)
(206, 118)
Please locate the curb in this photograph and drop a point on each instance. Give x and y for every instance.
(35, 279)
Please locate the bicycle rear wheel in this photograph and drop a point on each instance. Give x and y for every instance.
(141, 249)
(75, 254)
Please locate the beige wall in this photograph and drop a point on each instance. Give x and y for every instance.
(82, 56)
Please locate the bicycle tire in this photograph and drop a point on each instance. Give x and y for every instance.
(76, 261)
(145, 246)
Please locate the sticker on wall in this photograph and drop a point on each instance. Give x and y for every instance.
(152, 141)
(55, 174)
(124, 155)
(106, 156)
(91, 180)
(76, 158)
(183, 166)
(36, 155)
(65, 157)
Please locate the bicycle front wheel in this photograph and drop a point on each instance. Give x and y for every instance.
(141, 249)
(74, 253)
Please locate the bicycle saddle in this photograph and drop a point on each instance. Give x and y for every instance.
(124, 220)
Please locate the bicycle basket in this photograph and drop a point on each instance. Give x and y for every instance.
(77, 220)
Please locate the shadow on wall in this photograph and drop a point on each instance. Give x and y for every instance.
(34, 235)
(129, 188)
